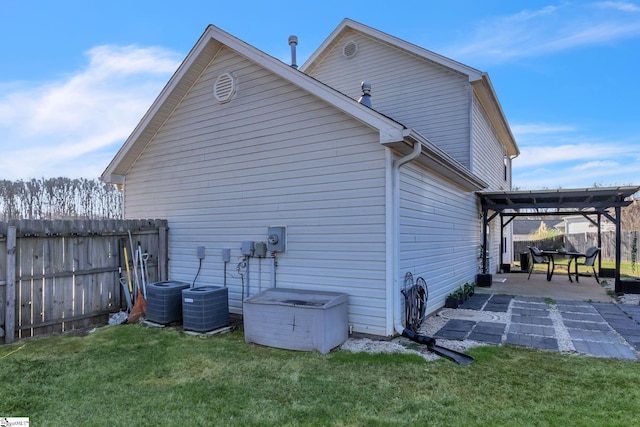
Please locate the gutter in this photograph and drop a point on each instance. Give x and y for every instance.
(439, 162)
(395, 200)
(430, 342)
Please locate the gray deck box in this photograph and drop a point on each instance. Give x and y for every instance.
(296, 319)
(205, 308)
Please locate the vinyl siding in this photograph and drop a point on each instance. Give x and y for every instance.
(274, 155)
(488, 162)
(439, 233)
(414, 91)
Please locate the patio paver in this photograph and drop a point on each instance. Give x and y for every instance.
(596, 329)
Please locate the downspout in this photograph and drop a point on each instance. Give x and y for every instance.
(397, 316)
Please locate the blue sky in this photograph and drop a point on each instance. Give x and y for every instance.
(77, 76)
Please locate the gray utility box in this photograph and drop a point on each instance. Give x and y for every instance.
(164, 301)
(205, 308)
(296, 319)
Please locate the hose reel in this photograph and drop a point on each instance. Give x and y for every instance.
(415, 301)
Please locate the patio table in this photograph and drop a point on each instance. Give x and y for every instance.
(572, 258)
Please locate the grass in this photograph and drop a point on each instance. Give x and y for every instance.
(625, 267)
(137, 376)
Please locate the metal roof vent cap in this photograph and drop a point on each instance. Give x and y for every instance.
(225, 87)
(293, 42)
(350, 49)
(365, 99)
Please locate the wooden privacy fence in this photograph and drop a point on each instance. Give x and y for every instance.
(64, 274)
(581, 241)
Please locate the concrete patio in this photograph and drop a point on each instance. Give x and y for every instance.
(552, 315)
(559, 288)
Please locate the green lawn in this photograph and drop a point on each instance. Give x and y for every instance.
(131, 375)
(626, 269)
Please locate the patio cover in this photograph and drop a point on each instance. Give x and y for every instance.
(584, 201)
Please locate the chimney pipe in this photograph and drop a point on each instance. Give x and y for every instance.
(293, 42)
(365, 99)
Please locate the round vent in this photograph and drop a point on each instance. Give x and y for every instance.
(224, 87)
(350, 49)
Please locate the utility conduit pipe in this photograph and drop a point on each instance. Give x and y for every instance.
(430, 342)
(415, 153)
(274, 265)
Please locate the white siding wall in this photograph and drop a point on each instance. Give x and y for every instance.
(274, 155)
(439, 233)
(488, 163)
(582, 225)
(418, 93)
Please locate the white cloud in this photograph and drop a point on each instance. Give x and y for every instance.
(547, 153)
(619, 5)
(607, 174)
(524, 129)
(563, 156)
(54, 126)
(548, 30)
(596, 164)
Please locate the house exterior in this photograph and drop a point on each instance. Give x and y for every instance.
(578, 224)
(524, 228)
(239, 142)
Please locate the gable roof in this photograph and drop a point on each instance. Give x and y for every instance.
(479, 80)
(211, 41)
(391, 132)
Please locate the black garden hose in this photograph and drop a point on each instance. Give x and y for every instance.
(415, 302)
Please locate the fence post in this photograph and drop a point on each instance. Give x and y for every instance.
(10, 287)
(163, 253)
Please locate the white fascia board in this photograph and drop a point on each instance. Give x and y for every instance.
(324, 46)
(472, 73)
(440, 162)
(112, 178)
(390, 130)
(160, 103)
(483, 89)
(391, 135)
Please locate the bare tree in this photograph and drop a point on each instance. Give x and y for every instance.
(630, 216)
(57, 198)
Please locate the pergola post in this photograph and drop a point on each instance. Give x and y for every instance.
(10, 288)
(618, 283)
(485, 213)
(586, 202)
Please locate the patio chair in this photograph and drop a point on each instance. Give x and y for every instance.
(589, 260)
(537, 257)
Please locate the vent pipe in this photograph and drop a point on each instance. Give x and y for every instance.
(293, 42)
(365, 99)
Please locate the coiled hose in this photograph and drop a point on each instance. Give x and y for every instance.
(415, 301)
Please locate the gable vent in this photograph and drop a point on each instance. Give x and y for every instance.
(224, 87)
(350, 49)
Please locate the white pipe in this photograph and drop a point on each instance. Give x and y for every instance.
(259, 274)
(293, 42)
(397, 307)
(142, 273)
(274, 263)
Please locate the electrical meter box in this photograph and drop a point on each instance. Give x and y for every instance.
(260, 250)
(247, 248)
(277, 239)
